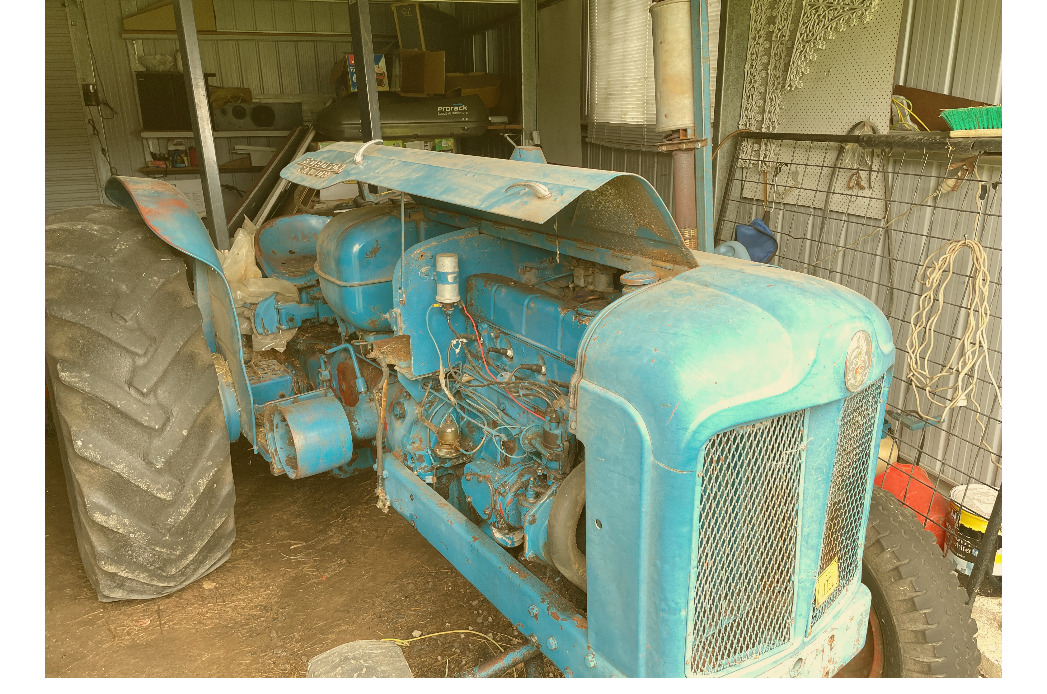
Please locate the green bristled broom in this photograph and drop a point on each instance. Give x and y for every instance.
(976, 121)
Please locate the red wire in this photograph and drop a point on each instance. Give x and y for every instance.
(483, 358)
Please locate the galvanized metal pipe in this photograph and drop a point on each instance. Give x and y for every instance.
(703, 163)
(529, 72)
(987, 552)
(502, 662)
(363, 54)
(893, 140)
(673, 68)
(196, 86)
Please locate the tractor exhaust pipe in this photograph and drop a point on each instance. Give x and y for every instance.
(503, 662)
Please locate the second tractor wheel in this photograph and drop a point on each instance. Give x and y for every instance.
(921, 625)
(135, 401)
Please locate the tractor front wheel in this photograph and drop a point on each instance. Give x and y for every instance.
(921, 625)
(135, 402)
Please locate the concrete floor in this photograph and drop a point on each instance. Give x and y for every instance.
(315, 564)
(988, 612)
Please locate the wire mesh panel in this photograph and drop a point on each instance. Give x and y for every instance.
(868, 216)
(842, 540)
(748, 525)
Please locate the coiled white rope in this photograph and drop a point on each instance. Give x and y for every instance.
(953, 385)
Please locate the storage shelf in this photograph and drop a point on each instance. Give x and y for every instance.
(218, 133)
(190, 170)
(247, 36)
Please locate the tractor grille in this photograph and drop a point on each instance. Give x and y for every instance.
(748, 520)
(842, 539)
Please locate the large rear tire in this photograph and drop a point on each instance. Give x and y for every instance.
(135, 401)
(925, 626)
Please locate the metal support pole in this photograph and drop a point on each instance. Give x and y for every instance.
(196, 86)
(987, 552)
(529, 72)
(503, 662)
(703, 163)
(363, 54)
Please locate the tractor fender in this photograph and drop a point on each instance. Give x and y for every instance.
(167, 212)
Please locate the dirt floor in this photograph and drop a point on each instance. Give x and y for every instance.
(315, 565)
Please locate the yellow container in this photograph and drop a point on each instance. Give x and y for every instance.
(972, 505)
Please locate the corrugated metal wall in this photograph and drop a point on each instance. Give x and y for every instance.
(628, 155)
(491, 43)
(291, 66)
(948, 46)
(953, 47)
(272, 66)
(848, 246)
(70, 178)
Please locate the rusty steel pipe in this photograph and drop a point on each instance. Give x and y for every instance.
(503, 662)
(685, 208)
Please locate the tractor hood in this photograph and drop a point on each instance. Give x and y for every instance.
(620, 213)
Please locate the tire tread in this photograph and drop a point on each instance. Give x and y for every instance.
(136, 406)
(928, 615)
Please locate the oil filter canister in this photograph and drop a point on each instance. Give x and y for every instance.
(447, 278)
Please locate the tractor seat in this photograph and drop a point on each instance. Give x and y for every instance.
(286, 247)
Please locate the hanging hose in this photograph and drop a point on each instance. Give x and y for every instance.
(568, 505)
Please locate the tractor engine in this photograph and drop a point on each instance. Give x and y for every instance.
(539, 370)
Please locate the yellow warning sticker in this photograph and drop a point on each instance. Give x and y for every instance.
(827, 582)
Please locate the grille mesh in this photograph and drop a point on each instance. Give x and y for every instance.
(842, 539)
(748, 519)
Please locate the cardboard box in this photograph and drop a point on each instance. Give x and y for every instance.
(381, 73)
(344, 78)
(260, 156)
(193, 190)
(485, 85)
(346, 190)
(441, 144)
(420, 27)
(422, 73)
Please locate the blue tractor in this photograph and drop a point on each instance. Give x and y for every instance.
(539, 373)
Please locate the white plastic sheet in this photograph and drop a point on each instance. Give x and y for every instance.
(249, 287)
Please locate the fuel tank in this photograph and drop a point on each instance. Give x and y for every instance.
(355, 255)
